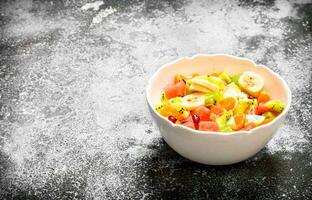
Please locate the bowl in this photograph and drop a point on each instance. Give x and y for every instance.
(216, 148)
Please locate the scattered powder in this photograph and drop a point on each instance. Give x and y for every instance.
(102, 15)
(92, 6)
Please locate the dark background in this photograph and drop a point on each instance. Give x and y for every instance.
(73, 118)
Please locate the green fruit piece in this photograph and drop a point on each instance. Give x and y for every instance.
(268, 115)
(212, 98)
(175, 104)
(243, 105)
(275, 105)
(188, 85)
(163, 97)
(235, 78)
(231, 122)
(222, 121)
(159, 106)
(225, 76)
(175, 100)
(216, 80)
(256, 119)
(225, 129)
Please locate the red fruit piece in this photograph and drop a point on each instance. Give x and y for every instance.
(175, 90)
(203, 112)
(189, 124)
(263, 97)
(203, 125)
(261, 109)
(249, 127)
(196, 121)
(208, 126)
(172, 119)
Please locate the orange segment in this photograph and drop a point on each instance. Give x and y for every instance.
(263, 97)
(261, 109)
(239, 121)
(215, 74)
(216, 110)
(267, 121)
(249, 127)
(227, 103)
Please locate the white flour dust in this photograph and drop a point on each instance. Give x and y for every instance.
(102, 15)
(92, 6)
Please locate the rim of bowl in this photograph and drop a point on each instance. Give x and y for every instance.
(288, 91)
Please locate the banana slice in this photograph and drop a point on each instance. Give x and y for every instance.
(206, 84)
(251, 82)
(193, 101)
(198, 88)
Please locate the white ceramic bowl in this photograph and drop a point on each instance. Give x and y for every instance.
(215, 148)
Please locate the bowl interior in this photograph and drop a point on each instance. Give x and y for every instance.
(201, 64)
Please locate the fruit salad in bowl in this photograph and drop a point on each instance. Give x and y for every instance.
(218, 101)
(217, 109)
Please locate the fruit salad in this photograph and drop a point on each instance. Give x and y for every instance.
(218, 102)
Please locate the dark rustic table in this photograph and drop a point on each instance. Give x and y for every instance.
(73, 118)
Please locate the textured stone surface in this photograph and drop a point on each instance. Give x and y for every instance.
(73, 118)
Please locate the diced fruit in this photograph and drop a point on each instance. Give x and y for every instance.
(268, 115)
(267, 121)
(175, 90)
(225, 76)
(178, 78)
(163, 97)
(188, 84)
(172, 119)
(162, 109)
(193, 101)
(225, 129)
(248, 127)
(173, 107)
(255, 119)
(213, 117)
(216, 110)
(208, 126)
(217, 81)
(216, 74)
(189, 124)
(227, 103)
(223, 119)
(239, 120)
(206, 84)
(251, 82)
(231, 90)
(235, 78)
(252, 109)
(243, 105)
(212, 98)
(203, 112)
(261, 109)
(194, 87)
(203, 125)
(275, 105)
(263, 97)
(196, 120)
